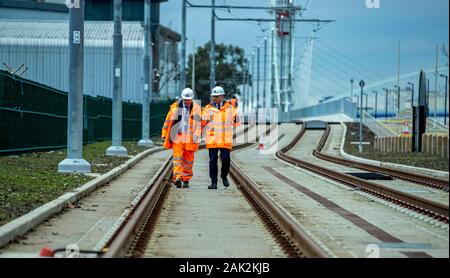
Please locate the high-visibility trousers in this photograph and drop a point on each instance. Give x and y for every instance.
(183, 162)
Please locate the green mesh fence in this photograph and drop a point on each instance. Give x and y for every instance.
(34, 116)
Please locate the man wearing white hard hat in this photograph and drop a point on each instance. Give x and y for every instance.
(219, 118)
(181, 132)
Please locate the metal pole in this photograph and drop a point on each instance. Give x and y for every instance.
(376, 104)
(166, 60)
(291, 52)
(253, 83)
(428, 95)
(272, 83)
(351, 89)
(282, 87)
(193, 66)
(398, 81)
(436, 87)
(386, 104)
(213, 50)
(265, 73)
(361, 84)
(412, 94)
(74, 161)
(244, 87)
(183, 46)
(445, 98)
(445, 101)
(117, 149)
(258, 80)
(145, 141)
(367, 101)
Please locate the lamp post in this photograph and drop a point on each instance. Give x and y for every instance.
(445, 98)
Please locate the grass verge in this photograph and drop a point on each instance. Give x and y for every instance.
(30, 180)
(412, 159)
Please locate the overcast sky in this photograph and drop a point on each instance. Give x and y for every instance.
(369, 36)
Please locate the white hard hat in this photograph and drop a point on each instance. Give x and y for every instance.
(187, 94)
(218, 91)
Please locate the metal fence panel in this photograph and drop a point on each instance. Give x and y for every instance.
(34, 116)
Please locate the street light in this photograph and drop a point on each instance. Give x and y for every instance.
(412, 94)
(376, 102)
(445, 97)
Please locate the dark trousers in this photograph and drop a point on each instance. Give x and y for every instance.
(226, 161)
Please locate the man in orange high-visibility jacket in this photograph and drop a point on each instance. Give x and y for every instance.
(181, 132)
(219, 118)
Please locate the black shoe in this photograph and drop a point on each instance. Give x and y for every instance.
(225, 181)
(185, 184)
(213, 186)
(178, 183)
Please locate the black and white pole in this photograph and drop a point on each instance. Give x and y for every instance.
(145, 141)
(117, 149)
(74, 162)
(361, 84)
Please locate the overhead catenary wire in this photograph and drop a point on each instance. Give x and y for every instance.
(344, 64)
(352, 60)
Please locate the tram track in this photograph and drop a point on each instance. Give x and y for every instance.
(423, 206)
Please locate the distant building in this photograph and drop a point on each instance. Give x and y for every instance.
(35, 33)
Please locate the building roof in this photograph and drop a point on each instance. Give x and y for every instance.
(33, 5)
(55, 33)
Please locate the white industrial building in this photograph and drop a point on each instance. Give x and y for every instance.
(42, 46)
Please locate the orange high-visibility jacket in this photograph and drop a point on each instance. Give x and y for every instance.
(219, 124)
(233, 102)
(172, 126)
